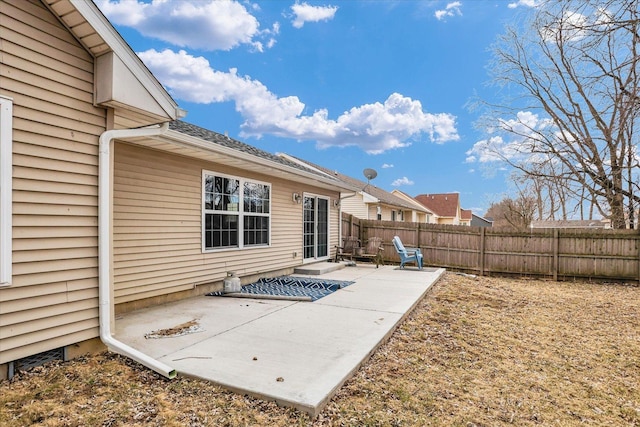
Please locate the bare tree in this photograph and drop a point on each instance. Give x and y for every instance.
(513, 213)
(556, 197)
(571, 75)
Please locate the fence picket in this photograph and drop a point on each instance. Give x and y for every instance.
(572, 253)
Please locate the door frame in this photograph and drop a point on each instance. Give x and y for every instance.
(315, 257)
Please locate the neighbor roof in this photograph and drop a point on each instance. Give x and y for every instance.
(414, 202)
(383, 196)
(445, 204)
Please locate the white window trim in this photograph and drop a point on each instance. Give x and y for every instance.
(6, 189)
(241, 212)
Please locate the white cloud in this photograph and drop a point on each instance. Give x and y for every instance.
(374, 128)
(521, 132)
(386, 166)
(452, 9)
(402, 181)
(207, 25)
(487, 150)
(523, 3)
(304, 12)
(571, 26)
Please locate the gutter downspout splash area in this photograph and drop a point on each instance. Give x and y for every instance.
(104, 247)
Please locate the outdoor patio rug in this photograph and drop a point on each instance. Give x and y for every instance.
(291, 286)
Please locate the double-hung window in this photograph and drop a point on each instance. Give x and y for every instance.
(236, 212)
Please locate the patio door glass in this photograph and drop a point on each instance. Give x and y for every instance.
(316, 227)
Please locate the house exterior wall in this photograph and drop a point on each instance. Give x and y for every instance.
(372, 213)
(419, 217)
(53, 298)
(355, 206)
(386, 213)
(416, 215)
(478, 221)
(447, 220)
(157, 215)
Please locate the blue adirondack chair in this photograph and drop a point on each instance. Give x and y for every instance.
(407, 254)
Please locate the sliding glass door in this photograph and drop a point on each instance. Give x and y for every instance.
(316, 227)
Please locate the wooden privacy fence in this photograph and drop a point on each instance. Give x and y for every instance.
(560, 254)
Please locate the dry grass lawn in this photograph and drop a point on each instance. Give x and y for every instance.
(475, 352)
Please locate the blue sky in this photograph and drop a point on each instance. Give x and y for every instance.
(348, 85)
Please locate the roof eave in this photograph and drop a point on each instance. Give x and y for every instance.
(103, 28)
(180, 139)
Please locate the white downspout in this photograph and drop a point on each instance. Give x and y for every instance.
(104, 247)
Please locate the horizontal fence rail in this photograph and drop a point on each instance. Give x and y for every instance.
(560, 254)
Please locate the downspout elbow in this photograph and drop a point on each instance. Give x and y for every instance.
(104, 247)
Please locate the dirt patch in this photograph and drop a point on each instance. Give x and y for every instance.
(185, 328)
(475, 352)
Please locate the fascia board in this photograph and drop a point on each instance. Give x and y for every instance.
(368, 198)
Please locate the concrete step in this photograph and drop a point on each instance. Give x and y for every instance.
(319, 268)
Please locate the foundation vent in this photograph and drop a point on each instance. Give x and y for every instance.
(39, 359)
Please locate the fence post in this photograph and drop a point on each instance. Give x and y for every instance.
(350, 225)
(556, 244)
(481, 254)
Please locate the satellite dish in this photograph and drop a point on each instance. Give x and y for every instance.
(369, 173)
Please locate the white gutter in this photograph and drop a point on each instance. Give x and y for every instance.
(104, 247)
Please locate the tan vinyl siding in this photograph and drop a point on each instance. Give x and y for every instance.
(157, 226)
(385, 212)
(356, 207)
(132, 119)
(53, 298)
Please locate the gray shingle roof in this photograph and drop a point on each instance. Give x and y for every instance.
(382, 195)
(225, 141)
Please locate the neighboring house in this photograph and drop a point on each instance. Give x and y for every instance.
(109, 203)
(478, 221)
(573, 223)
(447, 208)
(466, 216)
(427, 217)
(366, 201)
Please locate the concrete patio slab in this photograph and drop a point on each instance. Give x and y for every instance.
(296, 353)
